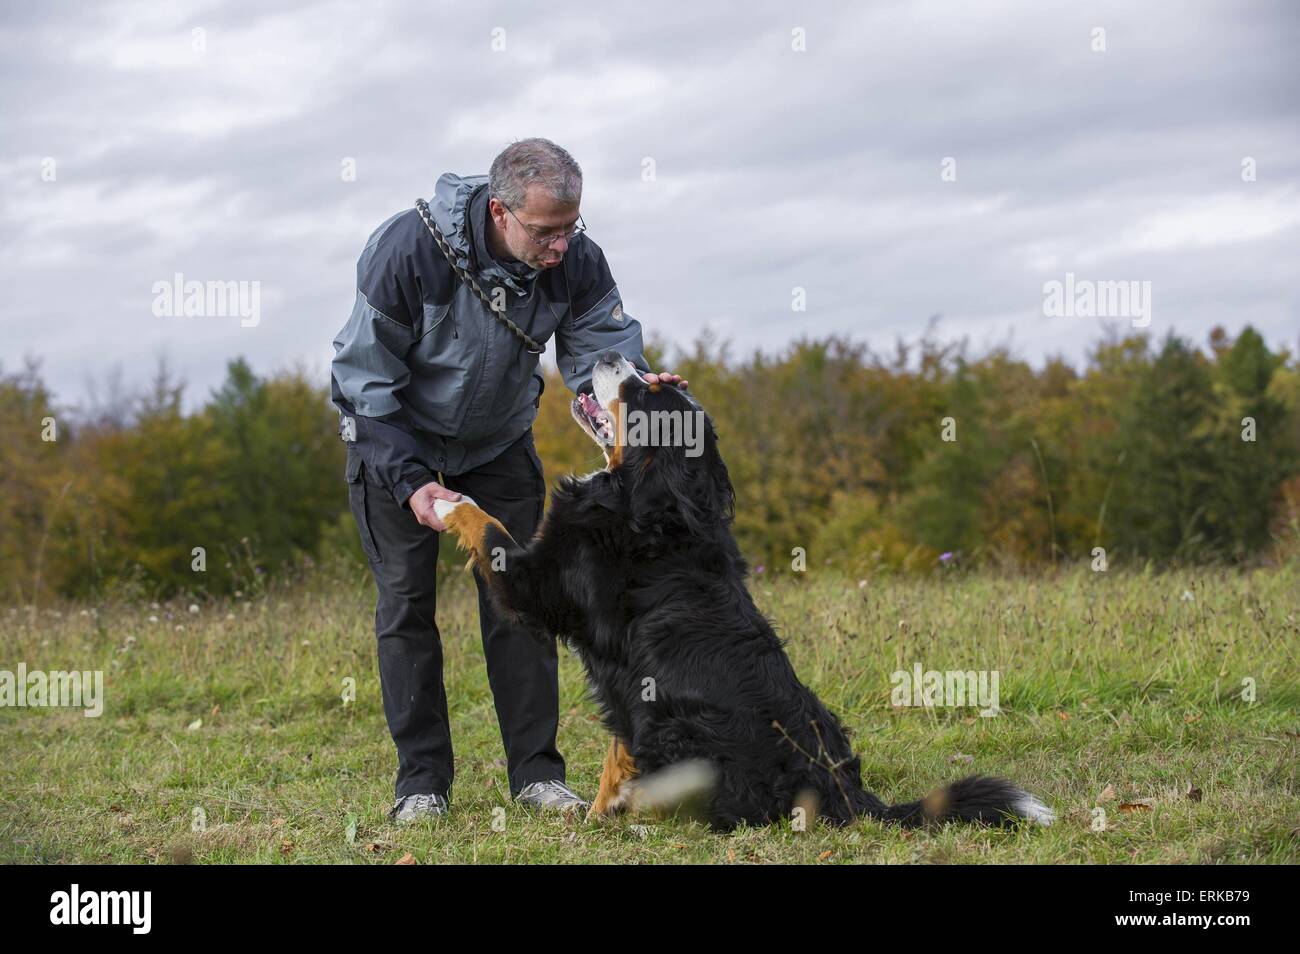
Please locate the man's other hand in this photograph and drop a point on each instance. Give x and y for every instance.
(421, 504)
(665, 377)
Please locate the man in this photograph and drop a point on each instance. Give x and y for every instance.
(438, 396)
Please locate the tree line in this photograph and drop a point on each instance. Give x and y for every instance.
(926, 458)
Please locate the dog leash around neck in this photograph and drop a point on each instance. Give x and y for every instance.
(534, 347)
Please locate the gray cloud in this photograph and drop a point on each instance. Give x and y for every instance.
(775, 169)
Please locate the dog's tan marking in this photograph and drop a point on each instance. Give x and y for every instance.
(619, 769)
(615, 455)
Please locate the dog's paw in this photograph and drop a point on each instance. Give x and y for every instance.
(443, 508)
(610, 807)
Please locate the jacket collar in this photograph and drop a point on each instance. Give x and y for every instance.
(459, 208)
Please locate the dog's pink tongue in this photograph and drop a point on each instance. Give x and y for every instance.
(590, 404)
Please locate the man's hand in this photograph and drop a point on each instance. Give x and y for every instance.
(421, 504)
(665, 377)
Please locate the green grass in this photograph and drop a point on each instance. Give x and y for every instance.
(1108, 680)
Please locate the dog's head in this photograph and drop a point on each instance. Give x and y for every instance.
(661, 446)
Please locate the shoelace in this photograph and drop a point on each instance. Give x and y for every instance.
(422, 802)
(559, 789)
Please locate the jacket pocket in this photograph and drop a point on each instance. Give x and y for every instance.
(359, 490)
(560, 312)
(432, 317)
(443, 363)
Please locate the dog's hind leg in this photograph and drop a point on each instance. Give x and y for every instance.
(619, 770)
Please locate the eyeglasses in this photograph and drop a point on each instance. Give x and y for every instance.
(546, 240)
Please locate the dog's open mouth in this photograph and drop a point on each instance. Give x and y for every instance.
(593, 419)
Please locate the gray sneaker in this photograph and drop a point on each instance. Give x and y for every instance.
(552, 795)
(411, 808)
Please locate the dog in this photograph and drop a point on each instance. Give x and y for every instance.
(636, 569)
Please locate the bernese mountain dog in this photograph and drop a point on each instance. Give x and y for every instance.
(636, 569)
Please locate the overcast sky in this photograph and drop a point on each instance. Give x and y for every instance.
(219, 154)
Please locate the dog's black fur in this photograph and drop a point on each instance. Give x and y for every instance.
(636, 568)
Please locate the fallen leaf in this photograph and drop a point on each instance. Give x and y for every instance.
(1192, 717)
(824, 855)
(1140, 805)
(1107, 794)
(961, 758)
(406, 859)
(195, 725)
(1063, 716)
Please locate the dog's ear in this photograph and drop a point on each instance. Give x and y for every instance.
(666, 490)
(724, 494)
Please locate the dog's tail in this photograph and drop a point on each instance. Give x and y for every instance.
(980, 799)
(682, 789)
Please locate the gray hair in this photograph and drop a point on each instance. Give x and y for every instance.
(531, 161)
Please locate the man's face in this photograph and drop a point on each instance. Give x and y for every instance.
(542, 218)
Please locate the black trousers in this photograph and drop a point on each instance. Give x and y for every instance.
(522, 665)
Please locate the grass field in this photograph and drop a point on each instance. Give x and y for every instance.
(1118, 691)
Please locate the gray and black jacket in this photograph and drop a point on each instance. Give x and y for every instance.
(426, 379)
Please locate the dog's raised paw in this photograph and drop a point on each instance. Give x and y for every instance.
(444, 507)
